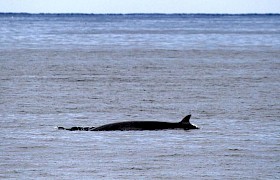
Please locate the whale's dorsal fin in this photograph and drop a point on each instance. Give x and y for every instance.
(186, 119)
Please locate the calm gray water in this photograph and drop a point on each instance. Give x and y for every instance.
(88, 70)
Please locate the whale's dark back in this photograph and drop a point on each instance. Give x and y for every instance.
(146, 125)
(138, 125)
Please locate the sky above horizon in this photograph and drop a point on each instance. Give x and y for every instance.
(141, 6)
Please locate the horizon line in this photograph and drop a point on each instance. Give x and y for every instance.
(76, 13)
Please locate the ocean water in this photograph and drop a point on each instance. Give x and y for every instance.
(89, 70)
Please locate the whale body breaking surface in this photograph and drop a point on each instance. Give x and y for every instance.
(138, 126)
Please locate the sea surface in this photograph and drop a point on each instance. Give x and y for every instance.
(89, 70)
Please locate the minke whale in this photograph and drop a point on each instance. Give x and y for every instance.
(138, 126)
